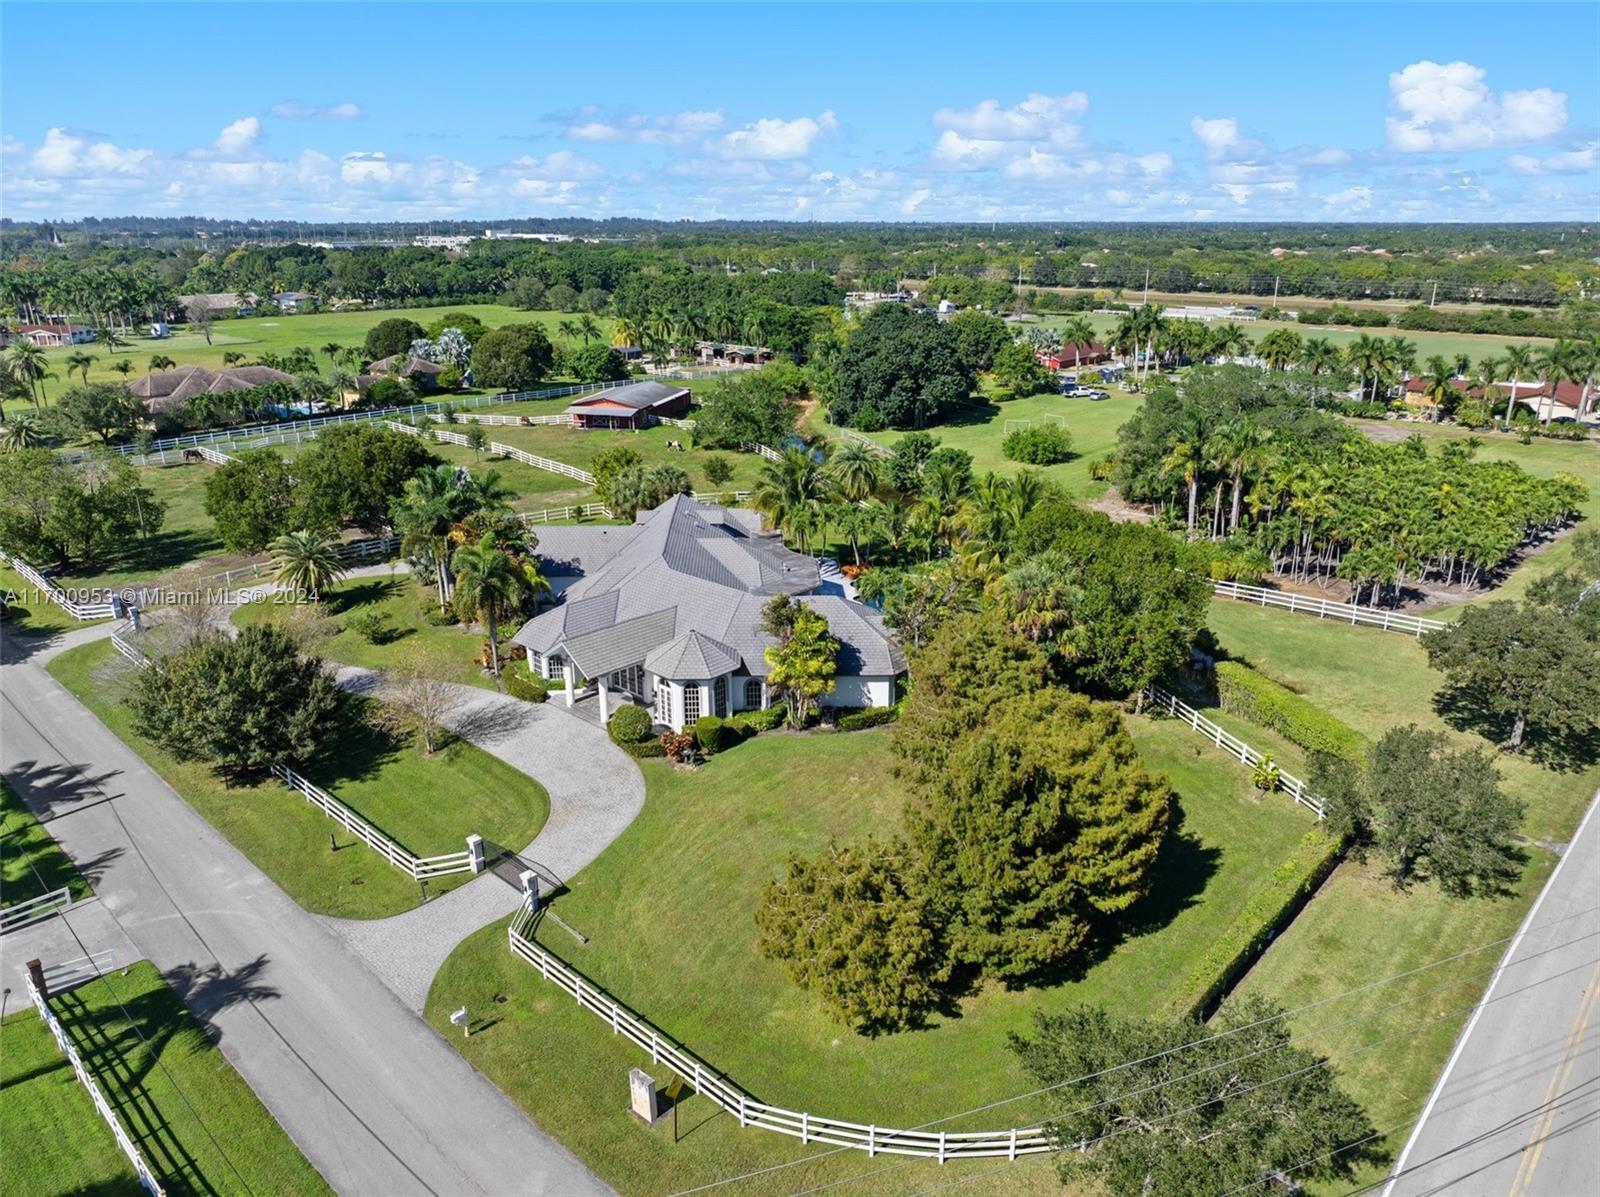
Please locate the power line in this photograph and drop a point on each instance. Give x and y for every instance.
(1169, 1051)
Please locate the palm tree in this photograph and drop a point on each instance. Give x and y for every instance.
(626, 331)
(1319, 356)
(1368, 357)
(1518, 361)
(158, 361)
(1040, 596)
(1279, 348)
(22, 432)
(1184, 460)
(79, 362)
(30, 365)
(1438, 384)
(109, 338)
(588, 328)
(1555, 365)
(333, 349)
(568, 329)
(231, 358)
(492, 585)
(790, 487)
(306, 561)
(123, 366)
(855, 471)
(1077, 332)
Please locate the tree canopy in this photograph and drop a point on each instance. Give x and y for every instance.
(899, 369)
(512, 358)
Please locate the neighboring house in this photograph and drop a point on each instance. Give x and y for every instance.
(164, 390)
(418, 369)
(667, 612)
(290, 302)
(1071, 356)
(47, 336)
(1536, 397)
(631, 405)
(221, 302)
(711, 353)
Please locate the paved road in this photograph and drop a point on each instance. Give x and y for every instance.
(377, 1101)
(595, 792)
(1517, 1109)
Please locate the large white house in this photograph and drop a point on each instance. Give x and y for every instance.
(667, 612)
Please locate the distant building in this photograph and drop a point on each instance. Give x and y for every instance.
(632, 405)
(712, 353)
(419, 370)
(47, 336)
(453, 242)
(160, 330)
(1073, 355)
(164, 390)
(294, 301)
(221, 302)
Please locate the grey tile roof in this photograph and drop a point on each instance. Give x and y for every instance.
(692, 657)
(712, 570)
(621, 644)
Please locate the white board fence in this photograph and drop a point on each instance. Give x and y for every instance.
(532, 459)
(1231, 744)
(81, 611)
(1389, 621)
(147, 1176)
(714, 1086)
(35, 910)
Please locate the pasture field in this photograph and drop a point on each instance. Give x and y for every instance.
(194, 1119)
(669, 908)
(429, 804)
(579, 448)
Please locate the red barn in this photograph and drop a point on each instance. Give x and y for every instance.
(633, 405)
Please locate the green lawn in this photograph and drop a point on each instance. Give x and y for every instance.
(430, 805)
(669, 912)
(276, 334)
(31, 862)
(29, 613)
(579, 448)
(447, 651)
(195, 1121)
(186, 536)
(980, 431)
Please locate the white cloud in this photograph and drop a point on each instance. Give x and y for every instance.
(915, 200)
(560, 165)
(362, 167)
(1570, 162)
(773, 139)
(1450, 107)
(673, 128)
(238, 137)
(64, 154)
(1351, 199)
(1037, 118)
(1217, 134)
(291, 110)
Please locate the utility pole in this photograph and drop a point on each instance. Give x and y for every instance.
(1434, 298)
(1276, 279)
(1146, 287)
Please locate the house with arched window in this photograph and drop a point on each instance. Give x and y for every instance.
(666, 613)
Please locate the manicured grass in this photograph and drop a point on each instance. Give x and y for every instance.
(446, 651)
(980, 431)
(669, 912)
(31, 862)
(430, 805)
(56, 1143)
(1375, 680)
(579, 448)
(195, 1121)
(29, 612)
(186, 535)
(278, 334)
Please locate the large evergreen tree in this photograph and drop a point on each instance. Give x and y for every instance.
(899, 368)
(250, 499)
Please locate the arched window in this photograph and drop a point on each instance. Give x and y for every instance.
(719, 697)
(752, 694)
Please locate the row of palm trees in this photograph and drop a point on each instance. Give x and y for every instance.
(665, 332)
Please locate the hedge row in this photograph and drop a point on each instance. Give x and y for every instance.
(521, 684)
(1258, 698)
(1265, 913)
(870, 717)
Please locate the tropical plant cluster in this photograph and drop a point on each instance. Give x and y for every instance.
(1234, 454)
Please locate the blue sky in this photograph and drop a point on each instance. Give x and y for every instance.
(1452, 111)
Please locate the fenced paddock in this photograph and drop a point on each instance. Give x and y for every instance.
(1021, 425)
(1231, 744)
(125, 1142)
(79, 611)
(531, 459)
(715, 1087)
(1372, 617)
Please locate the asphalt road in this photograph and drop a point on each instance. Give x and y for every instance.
(1517, 1109)
(377, 1101)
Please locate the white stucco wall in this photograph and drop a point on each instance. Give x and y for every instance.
(860, 691)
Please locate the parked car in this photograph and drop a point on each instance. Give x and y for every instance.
(1073, 391)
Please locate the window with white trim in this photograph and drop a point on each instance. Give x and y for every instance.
(719, 697)
(691, 704)
(555, 665)
(752, 694)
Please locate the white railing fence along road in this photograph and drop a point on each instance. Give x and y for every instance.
(147, 1177)
(1389, 621)
(82, 611)
(713, 1085)
(539, 463)
(34, 910)
(1228, 742)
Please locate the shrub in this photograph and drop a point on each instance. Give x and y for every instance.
(372, 626)
(435, 618)
(761, 721)
(1263, 914)
(649, 750)
(1266, 775)
(1046, 444)
(871, 717)
(680, 747)
(1256, 697)
(630, 725)
(714, 735)
(522, 684)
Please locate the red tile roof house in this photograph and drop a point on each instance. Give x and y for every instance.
(47, 335)
(634, 405)
(1070, 357)
(1532, 396)
(166, 390)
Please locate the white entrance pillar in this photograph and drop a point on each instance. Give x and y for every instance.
(567, 672)
(605, 710)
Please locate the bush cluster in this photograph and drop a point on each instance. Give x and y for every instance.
(871, 717)
(629, 725)
(1256, 697)
(1264, 913)
(522, 684)
(1045, 444)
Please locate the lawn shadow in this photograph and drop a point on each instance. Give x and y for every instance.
(162, 552)
(363, 750)
(361, 592)
(1467, 710)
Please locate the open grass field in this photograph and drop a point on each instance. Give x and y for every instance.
(198, 1125)
(31, 862)
(255, 335)
(430, 805)
(580, 448)
(1446, 345)
(669, 912)
(446, 652)
(187, 534)
(28, 612)
(1359, 927)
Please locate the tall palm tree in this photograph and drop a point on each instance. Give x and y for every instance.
(79, 362)
(492, 585)
(123, 366)
(1438, 384)
(855, 471)
(1555, 365)
(306, 561)
(30, 365)
(22, 432)
(588, 328)
(333, 349)
(1518, 362)
(568, 329)
(1077, 332)
(108, 337)
(1184, 460)
(626, 330)
(1367, 356)
(789, 488)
